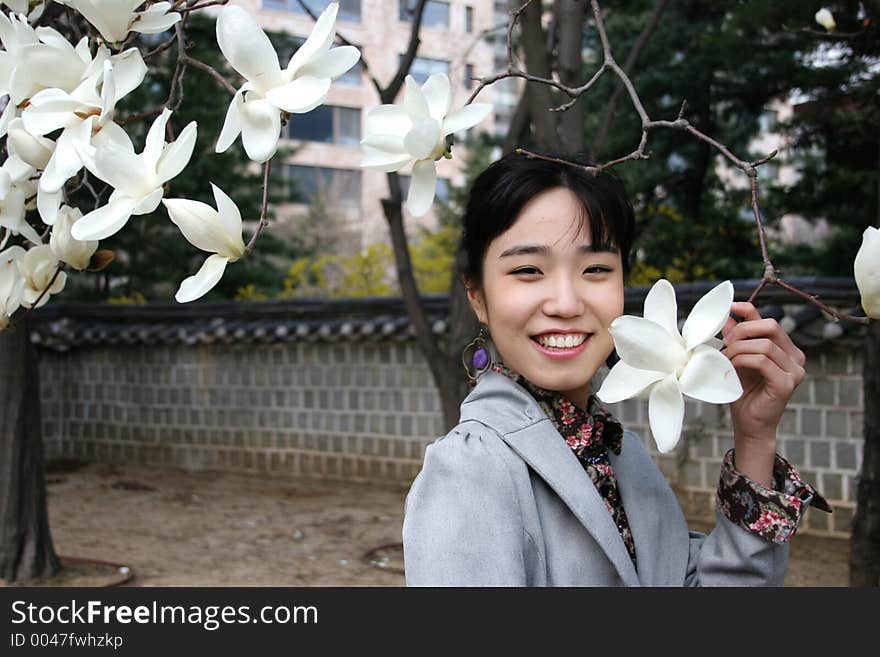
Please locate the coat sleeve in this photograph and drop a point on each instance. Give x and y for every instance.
(731, 556)
(462, 523)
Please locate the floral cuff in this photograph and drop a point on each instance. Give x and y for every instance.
(771, 514)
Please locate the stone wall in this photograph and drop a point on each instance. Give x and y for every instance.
(312, 395)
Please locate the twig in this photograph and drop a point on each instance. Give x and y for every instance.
(264, 212)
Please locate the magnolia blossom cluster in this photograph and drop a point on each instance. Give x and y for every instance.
(58, 102)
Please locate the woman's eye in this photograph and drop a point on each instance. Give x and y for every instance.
(526, 271)
(597, 269)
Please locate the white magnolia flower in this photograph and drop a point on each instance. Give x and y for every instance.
(114, 19)
(416, 132)
(658, 360)
(11, 284)
(826, 19)
(867, 272)
(217, 231)
(15, 188)
(255, 110)
(83, 114)
(74, 252)
(137, 179)
(18, 6)
(38, 266)
(36, 59)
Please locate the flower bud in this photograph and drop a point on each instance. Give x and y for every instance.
(74, 252)
(825, 19)
(867, 272)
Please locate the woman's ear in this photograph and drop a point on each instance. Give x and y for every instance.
(477, 301)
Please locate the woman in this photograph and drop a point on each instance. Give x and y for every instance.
(538, 485)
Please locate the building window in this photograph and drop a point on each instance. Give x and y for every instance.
(442, 193)
(349, 10)
(468, 76)
(423, 67)
(328, 124)
(468, 19)
(435, 14)
(341, 186)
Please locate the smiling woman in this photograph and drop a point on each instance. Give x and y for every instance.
(538, 484)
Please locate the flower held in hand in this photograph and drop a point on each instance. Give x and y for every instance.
(656, 359)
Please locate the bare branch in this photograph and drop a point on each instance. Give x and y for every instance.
(264, 212)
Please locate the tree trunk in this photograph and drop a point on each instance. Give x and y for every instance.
(534, 48)
(26, 549)
(447, 373)
(569, 25)
(864, 557)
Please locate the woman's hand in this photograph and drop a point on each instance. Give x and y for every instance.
(770, 367)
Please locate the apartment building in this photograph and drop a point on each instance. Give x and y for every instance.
(326, 141)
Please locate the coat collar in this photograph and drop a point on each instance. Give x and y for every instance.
(509, 409)
(658, 525)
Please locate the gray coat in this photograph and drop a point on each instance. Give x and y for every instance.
(502, 501)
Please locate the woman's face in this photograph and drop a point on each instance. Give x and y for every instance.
(548, 298)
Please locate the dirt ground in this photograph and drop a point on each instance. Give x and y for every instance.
(175, 528)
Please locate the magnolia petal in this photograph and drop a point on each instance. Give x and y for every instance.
(122, 170)
(199, 223)
(421, 141)
(646, 345)
(50, 66)
(9, 113)
(710, 377)
(666, 413)
(708, 315)
(111, 133)
(230, 220)
(381, 161)
(318, 41)
(465, 118)
(387, 120)
(625, 381)
(260, 129)
(331, 64)
(204, 280)
(414, 100)
(438, 96)
(177, 154)
(105, 221)
(48, 204)
(149, 202)
(391, 144)
(661, 307)
(301, 95)
(129, 71)
(231, 125)
(36, 151)
(247, 48)
(108, 93)
(155, 141)
(422, 187)
(50, 109)
(64, 162)
(155, 20)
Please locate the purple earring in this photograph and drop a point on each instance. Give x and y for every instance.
(478, 354)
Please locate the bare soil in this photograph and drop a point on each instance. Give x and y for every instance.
(170, 527)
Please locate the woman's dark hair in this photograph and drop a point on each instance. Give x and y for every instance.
(499, 194)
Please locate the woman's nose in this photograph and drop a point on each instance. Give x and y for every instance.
(563, 300)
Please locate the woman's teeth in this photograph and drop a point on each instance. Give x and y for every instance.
(560, 341)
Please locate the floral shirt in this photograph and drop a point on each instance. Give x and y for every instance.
(772, 514)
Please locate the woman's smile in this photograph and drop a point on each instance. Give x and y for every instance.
(560, 345)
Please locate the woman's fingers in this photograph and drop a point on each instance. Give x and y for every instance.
(769, 350)
(753, 326)
(778, 382)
